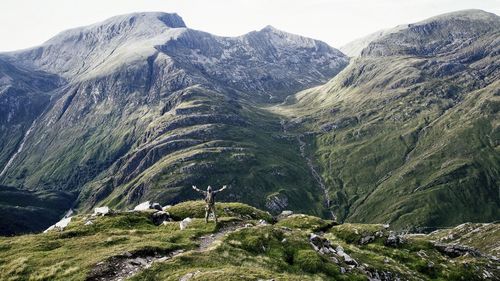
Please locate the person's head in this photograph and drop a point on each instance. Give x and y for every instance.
(209, 189)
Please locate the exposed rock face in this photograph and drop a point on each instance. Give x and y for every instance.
(277, 202)
(238, 60)
(394, 240)
(456, 250)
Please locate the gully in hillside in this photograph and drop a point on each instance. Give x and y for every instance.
(210, 200)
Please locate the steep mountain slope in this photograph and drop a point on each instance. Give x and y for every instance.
(24, 94)
(149, 107)
(408, 133)
(355, 47)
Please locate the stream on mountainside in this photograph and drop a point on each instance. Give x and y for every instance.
(312, 168)
(19, 149)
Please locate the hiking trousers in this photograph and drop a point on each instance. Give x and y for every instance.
(210, 208)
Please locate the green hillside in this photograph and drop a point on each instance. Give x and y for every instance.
(245, 245)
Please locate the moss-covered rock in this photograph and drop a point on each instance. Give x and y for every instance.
(305, 222)
(196, 209)
(356, 233)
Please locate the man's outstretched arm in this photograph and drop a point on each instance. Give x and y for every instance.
(223, 187)
(199, 190)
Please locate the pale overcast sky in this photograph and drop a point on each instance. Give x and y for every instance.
(25, 23)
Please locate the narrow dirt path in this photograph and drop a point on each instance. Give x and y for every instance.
(119, 268)
(207, 241)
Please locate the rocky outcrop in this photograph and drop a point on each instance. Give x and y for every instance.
(145, 206)
(394, 240)
(277, 202)
(454, 250)
(160, 217)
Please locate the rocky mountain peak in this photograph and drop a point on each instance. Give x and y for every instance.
(469, 14)
(99, 48)
(278, 38)
(135, 24)
(270, 28)
(435, 35)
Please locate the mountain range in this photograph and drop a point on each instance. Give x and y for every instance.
(402, 129)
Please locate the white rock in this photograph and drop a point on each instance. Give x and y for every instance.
(60, 225)
(89, 223)
(101, 210)
(49, 229)
(348, 259)
(184, 223)
(63, 223)
(143, 206)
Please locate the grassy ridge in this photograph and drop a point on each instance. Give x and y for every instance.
(281, 251)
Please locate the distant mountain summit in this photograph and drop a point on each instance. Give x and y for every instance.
(451, 28)
(436, 35)
(103, 48)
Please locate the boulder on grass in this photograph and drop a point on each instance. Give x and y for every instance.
(144, 206)
(102, 211)
(156, 206)
(184, 223)
(60, 225)
(160, 217)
